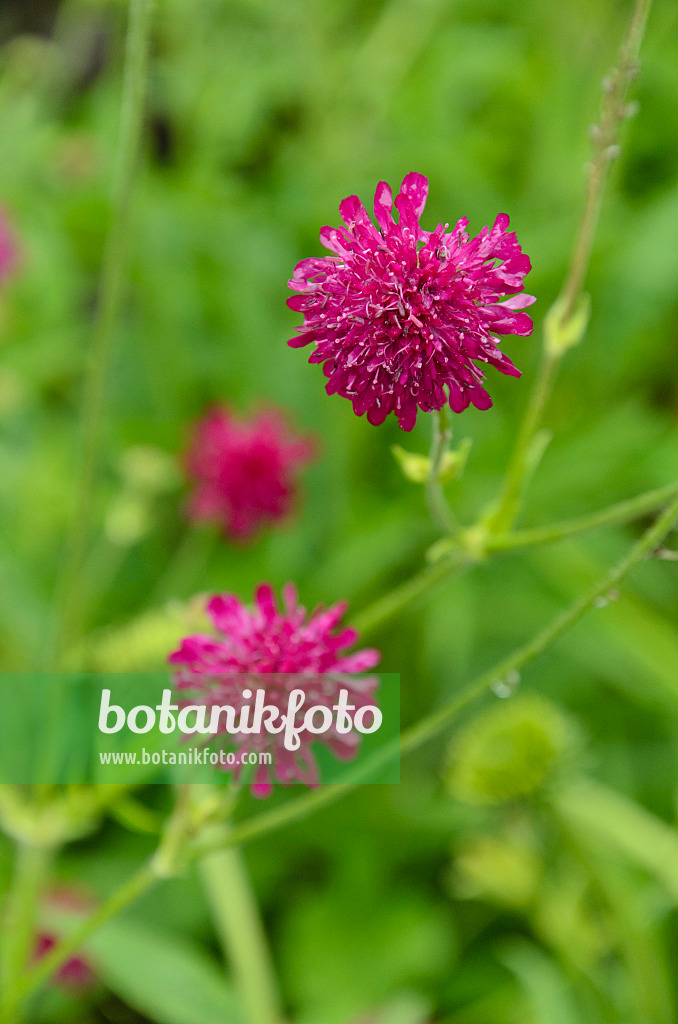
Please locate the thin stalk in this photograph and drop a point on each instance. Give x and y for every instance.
(614, 111)
(456, 559)
(139, 883)
(515, 481)
(239, 927)
(167, 860)
(438, 721)
(111, 290)
(605, 136)
(19, 931)
(614, 515)
(435, 496)
(407, 593)
(411, 739)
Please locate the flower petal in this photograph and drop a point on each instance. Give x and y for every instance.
(383, 206)
(415, 187)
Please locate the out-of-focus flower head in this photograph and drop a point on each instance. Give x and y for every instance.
(75, 973)
(244, 470)
(262, 647)
(400, 317)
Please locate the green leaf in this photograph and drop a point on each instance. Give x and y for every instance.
(169, 980)
(414, 467)
(454, 462)
(561, 334)
(644, 839)
(548, 990)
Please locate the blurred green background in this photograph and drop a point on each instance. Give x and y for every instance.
(553, 902)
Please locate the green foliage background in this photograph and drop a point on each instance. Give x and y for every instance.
(263, 115)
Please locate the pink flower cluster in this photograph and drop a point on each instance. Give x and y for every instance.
(244, 470)
(401, 317)
(284, 650)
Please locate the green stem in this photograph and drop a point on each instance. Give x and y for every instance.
(407, 593)
(111, 290)
(614, 515)
(239, 928)
(457, 559)
(139, 883)
(614, 112)
(605, 134)
(435, 496)
(516, 479)
(165, 863)
(411, 739)
(434, 724)
(19, 925)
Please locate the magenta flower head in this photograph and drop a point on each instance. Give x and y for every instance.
(401, 317)
(244, 470)
(278, 651)
(75, 973)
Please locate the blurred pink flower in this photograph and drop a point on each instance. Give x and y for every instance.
(75, 973)
(244, 470)
(8, 251)
(278, 651)
(399, 314)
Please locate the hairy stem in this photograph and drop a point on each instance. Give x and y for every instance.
(458, 558)
(605, 135)
(613, 113)
(614, 515)
(111, 290)
(439, 720)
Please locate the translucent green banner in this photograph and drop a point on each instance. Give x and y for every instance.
(138, 728)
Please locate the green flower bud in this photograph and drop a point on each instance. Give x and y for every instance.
(510, 751)
(414, 467)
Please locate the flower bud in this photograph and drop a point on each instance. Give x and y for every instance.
(510, 751)
(414, 467)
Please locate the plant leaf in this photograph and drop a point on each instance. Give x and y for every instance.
(167, 979)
